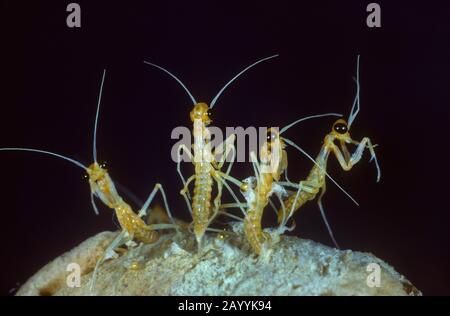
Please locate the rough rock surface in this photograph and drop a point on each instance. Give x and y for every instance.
(225, 266)
(52, 276)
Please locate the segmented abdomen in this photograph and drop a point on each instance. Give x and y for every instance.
(253, 232)
(252, 223)
(201, 202)
(289, 206)
(315, 180)
(134, 225)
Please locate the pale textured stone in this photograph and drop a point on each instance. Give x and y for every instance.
(226, 266)
(53, 275)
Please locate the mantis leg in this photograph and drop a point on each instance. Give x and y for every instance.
(283, 209)
(272, 206)
(232, 205)
(356, 156)
(256, 167)
(188, 152)
(367, 143)
(185, 192)
(329, 145)
(231, 215)
(282, 227)
(94, 206)
(109, 253)
(158, 187)
(229, 147)
(217, 200)
(233, 195)
(227, 177)
(322, 212)
(306, 186)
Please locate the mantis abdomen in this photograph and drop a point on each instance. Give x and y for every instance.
(252, 223)
(201, 202)
(310, 188)
(134, 225)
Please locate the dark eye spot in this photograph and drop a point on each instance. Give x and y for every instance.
(341, 128)
(103, 165)
(85, 176)
(271, 136)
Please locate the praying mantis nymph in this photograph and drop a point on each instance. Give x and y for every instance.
(273, 159)
(258, 190)
(207, 169)
(102, 186)
(315, 182)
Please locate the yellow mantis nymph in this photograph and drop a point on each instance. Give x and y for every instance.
(273, 159)
(207, 169)
(315, 182)
(102, 187)
(258, 190)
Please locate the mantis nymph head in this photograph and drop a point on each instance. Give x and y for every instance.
(274, 140)
(101, 184)
(340, 130)
(272, 153)
(201, 112)
(96, 172)
(248, 184)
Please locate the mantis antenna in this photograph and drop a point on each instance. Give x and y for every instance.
(235, 77)
(77, 163)
(94, 143)
(221, 90)
(356, 105)
(174, 77)
(284, 129)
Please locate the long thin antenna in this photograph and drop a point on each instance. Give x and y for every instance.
(235, 77)
(174, 77)
(79, 164)
(284, 129)
(94, 143)
(356, 102)
(321, 168)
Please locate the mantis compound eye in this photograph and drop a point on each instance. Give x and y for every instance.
(271, 136)
(85, 176)
(103, 165)
(340, 128)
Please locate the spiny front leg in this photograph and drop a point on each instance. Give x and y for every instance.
(356, 156)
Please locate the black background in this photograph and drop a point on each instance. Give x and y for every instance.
(51, 76)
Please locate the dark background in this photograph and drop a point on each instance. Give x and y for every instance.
(51, 76)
